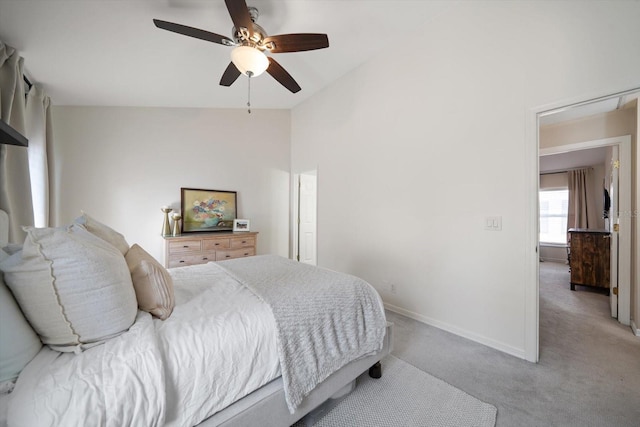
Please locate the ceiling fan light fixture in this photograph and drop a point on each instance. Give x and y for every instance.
(249, 59)
(250, 41)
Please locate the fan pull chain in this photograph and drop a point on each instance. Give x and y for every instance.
(249, 73)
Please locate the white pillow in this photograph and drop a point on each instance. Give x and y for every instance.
(18, 342)
(104, 232)
(73, 287)
(152, 283)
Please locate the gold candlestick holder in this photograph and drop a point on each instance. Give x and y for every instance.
(176, 224)
(166, 226)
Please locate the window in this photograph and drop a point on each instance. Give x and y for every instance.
(554, 205)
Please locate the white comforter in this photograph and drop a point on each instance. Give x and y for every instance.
(174, 372)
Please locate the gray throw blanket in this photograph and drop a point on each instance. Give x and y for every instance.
(325, 319)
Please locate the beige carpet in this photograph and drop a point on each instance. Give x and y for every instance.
(589, 370)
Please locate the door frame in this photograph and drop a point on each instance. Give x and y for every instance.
(532, 211)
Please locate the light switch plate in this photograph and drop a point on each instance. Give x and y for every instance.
(493, 223)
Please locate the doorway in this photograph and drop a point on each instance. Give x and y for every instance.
(620, 297)
(532, 313)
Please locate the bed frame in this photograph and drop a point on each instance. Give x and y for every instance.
(266, 406)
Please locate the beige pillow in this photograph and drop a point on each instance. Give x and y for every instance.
(104, 232)
(73, 287)
(152, 283)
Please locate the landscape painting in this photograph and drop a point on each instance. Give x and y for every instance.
(207, 210)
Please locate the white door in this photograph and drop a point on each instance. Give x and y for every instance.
(623, 233)
(613, 219)
(307, 206)
(621, 225)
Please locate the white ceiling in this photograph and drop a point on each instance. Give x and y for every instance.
(590, 108)
(588, 157)
(108, 52)
(573, 159)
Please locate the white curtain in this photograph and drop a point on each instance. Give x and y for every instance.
(40, 135)
(15, 187)
(582, 211)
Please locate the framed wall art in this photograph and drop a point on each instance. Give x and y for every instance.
(207, 210)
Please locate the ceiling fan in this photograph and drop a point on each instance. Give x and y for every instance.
(251, 42)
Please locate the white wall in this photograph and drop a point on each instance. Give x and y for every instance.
(121, 165)
(415, 147)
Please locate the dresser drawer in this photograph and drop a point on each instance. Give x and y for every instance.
(183, 246)
(215, 244)
(243, 243)
(181, 261)
(235, 253)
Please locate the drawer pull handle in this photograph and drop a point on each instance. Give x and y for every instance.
(227, 256)
(217, 244)
(244, 241)
(205, 258)
(185, 246)
(181, 262)
(246, 254)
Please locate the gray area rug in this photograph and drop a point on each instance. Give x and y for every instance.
(406, 396)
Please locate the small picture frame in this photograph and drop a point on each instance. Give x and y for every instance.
(241, 225)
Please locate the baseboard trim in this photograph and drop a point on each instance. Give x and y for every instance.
(635, 329)
(505, 348)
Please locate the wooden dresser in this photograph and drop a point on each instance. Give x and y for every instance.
(590, 253)
(200, 248)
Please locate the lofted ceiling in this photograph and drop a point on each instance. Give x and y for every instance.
(109, 53)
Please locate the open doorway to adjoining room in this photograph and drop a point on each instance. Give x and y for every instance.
(596, 137)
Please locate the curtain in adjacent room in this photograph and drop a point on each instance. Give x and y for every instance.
(15, 188)
(582, 209)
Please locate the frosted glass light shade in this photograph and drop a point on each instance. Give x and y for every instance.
(247, 58)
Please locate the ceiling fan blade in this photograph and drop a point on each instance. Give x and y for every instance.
(281, 75)
(230, 75)
(194, 32)
(296, 42)
(240, 14)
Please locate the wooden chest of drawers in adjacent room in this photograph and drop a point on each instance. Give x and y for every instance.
(590, 252)
(200, 248)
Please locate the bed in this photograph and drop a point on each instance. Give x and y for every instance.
(255, 341)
